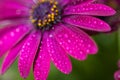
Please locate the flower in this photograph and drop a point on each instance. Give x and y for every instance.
(39, 31)
(113, 21)
(117, 73)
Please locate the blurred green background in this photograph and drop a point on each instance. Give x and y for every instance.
(97, 67)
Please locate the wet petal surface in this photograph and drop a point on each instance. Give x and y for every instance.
(90, 9)
(28, 52)
(58, 55)
(88, 22)
(89, 44)
(77, 2)
(9, 39)
(69, 41)
(42, 63)
(12, 10)
(11, 56)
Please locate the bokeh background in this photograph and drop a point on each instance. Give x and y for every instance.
(97, 67)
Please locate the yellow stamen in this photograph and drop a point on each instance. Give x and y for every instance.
(39, 24)
(42, 0)
(56, 11)
(54, 6)
(56, 2)
(33, 20)
(52, 9)
(53, 19)
(49, 20)
(50, 16)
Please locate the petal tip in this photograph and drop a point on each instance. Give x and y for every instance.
(95, 51)
(107, 29)
(84, 57)
(1, 73)
(68, 71)
(113, 12)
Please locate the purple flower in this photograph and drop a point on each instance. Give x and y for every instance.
(40, 31)
(114, 21)
(117, 73)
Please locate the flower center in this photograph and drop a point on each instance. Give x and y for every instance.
(45, 14)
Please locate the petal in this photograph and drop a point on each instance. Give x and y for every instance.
(88, 22)
(11, 56)
(70, 42)
(28, 52)
(42, 63)
(89, 45)
(9, 39)
(63, 2)
(4, 23)
(58, 55)
(117, 75)
(73, 34)
(76, 2)
(90, 9)
(7, 25)
(12, 10)
(26, 3)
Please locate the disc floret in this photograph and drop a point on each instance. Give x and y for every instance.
(45, 13)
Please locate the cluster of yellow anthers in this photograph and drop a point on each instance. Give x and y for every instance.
(50, 17)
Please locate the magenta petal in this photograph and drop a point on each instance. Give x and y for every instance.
(12, 10)
(70, 42)
(11, 56)
(88, 22)
(42, 63)
(5, 29)
(28, 52)
(76, 2)
(25, 3)
(63, 2)
(90, 9)
(9, 39)
(8, 25)
(89, 45)
(58, 55)
(117, 75)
